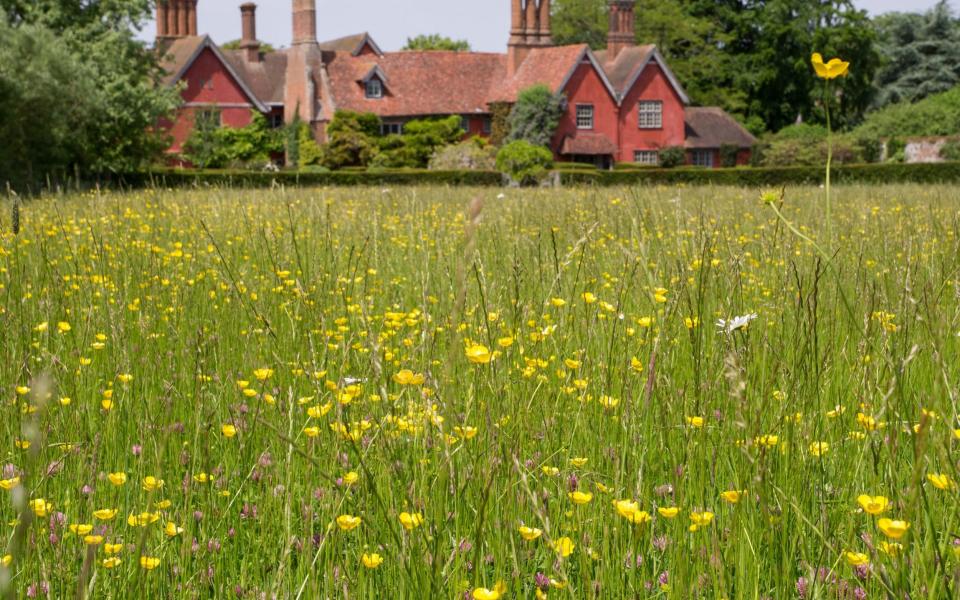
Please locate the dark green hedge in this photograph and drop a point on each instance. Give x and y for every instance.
(742, 176)
(191, 178)
(770, 176)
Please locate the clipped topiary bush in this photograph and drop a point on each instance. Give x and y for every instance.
(524, 162)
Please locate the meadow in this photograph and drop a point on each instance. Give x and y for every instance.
(481, 393)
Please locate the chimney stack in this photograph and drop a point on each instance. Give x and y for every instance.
(621, 34)
(176, 19)
(249, 43)
(529, 28)
(304, 22)
(546, 37)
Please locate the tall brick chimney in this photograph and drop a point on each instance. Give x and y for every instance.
(529, 28)
(621, 34)
(248, 41)
(176, 19)
(300, 91)
(304, 22)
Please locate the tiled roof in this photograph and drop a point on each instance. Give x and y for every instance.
(620, 72)
(712, 127)
(266, 78)
(588, 144)
(350, 43)
(419, 83)
(176, 55)
(549, 66)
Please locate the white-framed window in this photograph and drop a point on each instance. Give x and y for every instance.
(465, 123)
(651, 114)
(646, 157)
(702, 158)
(374, 88)
(584, 116)
(391, 128)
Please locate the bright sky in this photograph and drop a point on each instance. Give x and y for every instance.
(484, 23)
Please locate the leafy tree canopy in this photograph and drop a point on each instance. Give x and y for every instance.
(79, 92)
(436, 41)
(536, 115)
(921, 54)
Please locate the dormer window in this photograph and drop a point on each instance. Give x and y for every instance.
(374, 88)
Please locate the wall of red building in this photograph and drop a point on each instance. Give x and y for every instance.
(586, 87)
(208, 84)
(651, 85)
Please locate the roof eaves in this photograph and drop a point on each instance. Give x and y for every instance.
(589, 55)
(656, 56)
(208, 43)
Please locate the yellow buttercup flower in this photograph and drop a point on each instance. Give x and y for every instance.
(733, 496)
(478, 354)
(113, 548)
(830, 70)
(348, 522)
(856, 559)
(530, 533)
(228, 430)
(818, 449)
(890, 548)
(893, 529)
(149, 563)
(668, 512)
(578, 462)
(40, 507)
(700, 519)
(117, 479)
(263, 374)
(351, 478)
(482, 593)
(371, 561)
(81, 529)
(941, 481)
(564, 547)
(93, 540)
(7, 560)
(411, 521)
(151, 483)
(9, 484)
(171, 529)
(874, 505)
(105, 514)
(110, 563)
(696, 422)
(408, 377)
(630, 510)
(579, 497)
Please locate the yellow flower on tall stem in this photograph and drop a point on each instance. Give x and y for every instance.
(828, 71)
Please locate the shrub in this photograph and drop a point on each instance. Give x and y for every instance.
(728, 155)
(419, 142)
(352, 140)
(536, 115)
(211, 145)
(673, 156)
(950, 150)
(524, 162)
(935, 115)
(473, 154)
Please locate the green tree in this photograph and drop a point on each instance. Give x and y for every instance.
(580, 22)
(536, 115)
(919, 53)
(436, 41)
(103, 81)
(525, 163)
(420, 140)
(352, 140)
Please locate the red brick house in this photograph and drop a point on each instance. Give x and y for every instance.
(624, 103)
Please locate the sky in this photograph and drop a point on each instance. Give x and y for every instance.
(484, 23)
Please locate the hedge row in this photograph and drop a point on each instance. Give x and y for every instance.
(230, 178)
(770, 176)
(751, 177)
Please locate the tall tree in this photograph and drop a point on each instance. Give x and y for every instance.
(921, 54)
(436, 42)
(101, 78)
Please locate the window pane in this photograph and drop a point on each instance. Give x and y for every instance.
(646, 157)
(651, 114)
(584, 116)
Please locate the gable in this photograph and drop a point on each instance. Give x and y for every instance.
(587, 78)
(654, 68)
(208, 81)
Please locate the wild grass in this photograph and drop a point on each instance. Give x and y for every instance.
(250, 349)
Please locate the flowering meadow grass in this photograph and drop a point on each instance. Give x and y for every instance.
(435, 393)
